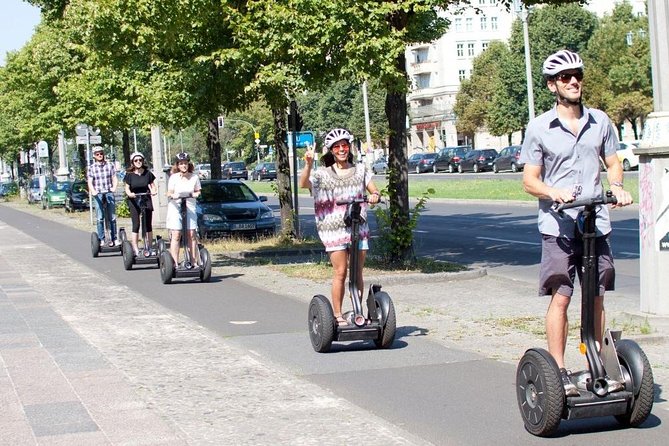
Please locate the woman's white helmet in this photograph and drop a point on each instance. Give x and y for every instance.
(335, 135)
(135, 155)
(561, 61)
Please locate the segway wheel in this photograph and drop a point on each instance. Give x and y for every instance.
(540, 394)
(638, 379)
(95, 244)
(122, 235)
(389, 320)
(321, 324)
(128, 255)
(166, 267)
(205, 272)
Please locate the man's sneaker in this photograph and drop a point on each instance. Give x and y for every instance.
(117, 242)
(569, 387)
(613, 386)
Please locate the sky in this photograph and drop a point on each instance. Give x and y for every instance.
(18, 20)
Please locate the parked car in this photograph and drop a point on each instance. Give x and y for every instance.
(264, 171)
(34, 191)
(235, 170)
(508, 160)
(626, 155)
(54, 194)
(477, 160)
(203, 171)
(421, 162)
(76, 197)
(228, 207)
(380, 166)
(449, 158)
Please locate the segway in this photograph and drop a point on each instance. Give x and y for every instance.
(378, 325)
(541, 397)
(187, 268)
(98, 248)
(148, 253)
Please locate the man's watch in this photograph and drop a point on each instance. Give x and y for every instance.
(617, 184)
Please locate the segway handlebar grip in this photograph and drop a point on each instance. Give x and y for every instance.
(355, 200)
(608, 198)
(183, 195)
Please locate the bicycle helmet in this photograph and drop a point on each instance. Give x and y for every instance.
(135, 155)
(98, 149)
(182, 156)
(561, 61)
(335, 135)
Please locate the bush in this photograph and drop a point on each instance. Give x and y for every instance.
(122, 208)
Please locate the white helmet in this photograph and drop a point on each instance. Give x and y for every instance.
(135, 155)
(335, 135)
(561, 61)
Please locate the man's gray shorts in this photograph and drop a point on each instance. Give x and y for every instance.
(562, 257)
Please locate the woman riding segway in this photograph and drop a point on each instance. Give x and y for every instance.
(140, 180)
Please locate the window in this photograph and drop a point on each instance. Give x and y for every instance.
(423, 80)
(484, 46)
(461, 75)
(484, 23)
(458, 23)
(460, 49)
(493, 23)
(469, 24)
(470, 49)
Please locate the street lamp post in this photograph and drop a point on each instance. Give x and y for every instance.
(523, 13)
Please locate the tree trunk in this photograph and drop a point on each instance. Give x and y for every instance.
(126, 147)
(398, 178)
(214, 148)
(283, 173)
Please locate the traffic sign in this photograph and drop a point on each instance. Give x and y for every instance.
(95, 139)
(81, 130)
(302, 139)
(43, 149)
(81, 139)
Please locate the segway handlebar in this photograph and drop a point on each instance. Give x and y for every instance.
(609, 198)
(364, 199)
(183, 195)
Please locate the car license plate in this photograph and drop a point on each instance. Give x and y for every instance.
(243, 226)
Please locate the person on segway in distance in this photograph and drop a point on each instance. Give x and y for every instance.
(561, 153)
(102, 183)
(140, 180)
(340, 180)
(182, 181)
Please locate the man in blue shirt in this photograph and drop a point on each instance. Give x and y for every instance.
(102, 182)
(562, 152)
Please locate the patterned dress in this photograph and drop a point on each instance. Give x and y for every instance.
(329, 187)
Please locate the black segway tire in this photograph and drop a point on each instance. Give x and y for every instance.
(128, 255)
(95, 244)
(389, 319)
(638, 379)
(205, 272)
(122, 235)
(541, 398)
(166, 267)
(321, 324)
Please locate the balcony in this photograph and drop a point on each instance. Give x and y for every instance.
(422, 67)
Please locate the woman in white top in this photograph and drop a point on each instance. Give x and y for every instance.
(182, 181)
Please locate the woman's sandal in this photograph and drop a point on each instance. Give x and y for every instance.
(341, 321)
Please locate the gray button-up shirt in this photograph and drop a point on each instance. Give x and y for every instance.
(569, 162)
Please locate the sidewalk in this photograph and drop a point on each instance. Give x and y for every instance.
(102, 365)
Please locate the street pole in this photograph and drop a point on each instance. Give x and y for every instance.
(523, 13)
(368, 134)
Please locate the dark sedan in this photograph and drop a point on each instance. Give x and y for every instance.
(235, 170)
(421, 162)
(508, 159)
(76, 197)
(264, 171)
(449, 158)
(227, 208)
(477, 160)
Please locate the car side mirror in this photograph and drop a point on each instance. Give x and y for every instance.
(262, 198)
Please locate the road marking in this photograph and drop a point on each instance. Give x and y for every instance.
(627, 229)
(508, 241)
(629, 253)
(420, 231)
(243, 322)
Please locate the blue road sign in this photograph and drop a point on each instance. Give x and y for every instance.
(302, 139)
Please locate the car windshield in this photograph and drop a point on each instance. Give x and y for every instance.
(79, 187)
(416, 156)
(59, 187)
(226, 193)
(490, 152)
(430, 155)
(235, 165)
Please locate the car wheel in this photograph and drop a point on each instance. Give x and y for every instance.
(374, 171)
(626, 165)
(451, 169)
(514, 168)
(495, 168)
(477, 169)
(434, 168)
(417, 169)
(460, 169)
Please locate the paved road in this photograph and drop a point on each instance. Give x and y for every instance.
(423, 389)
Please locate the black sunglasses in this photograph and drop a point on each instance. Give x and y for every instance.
(566, 77)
